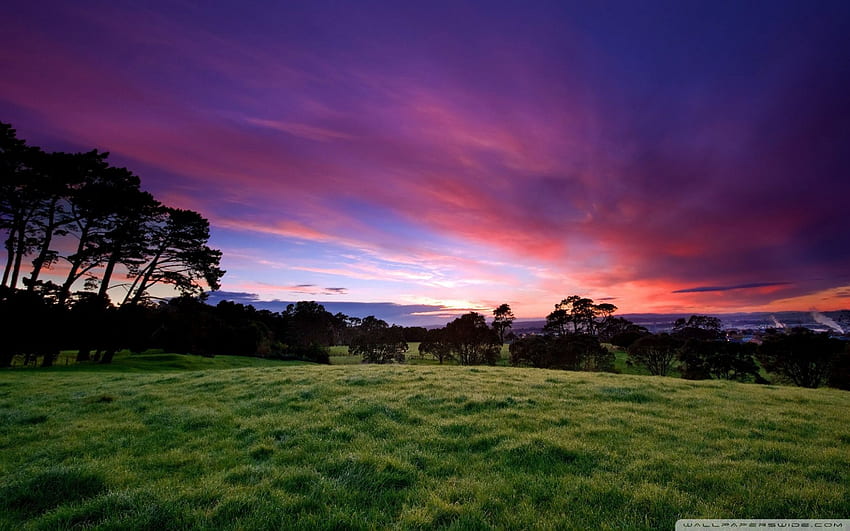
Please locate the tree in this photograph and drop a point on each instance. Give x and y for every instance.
(557, 321)
(701, 327)
(620, 331)
(87, 308)
(126, 242)
(503, 318)
(307, 329)
(58, 174)
(655, 352)
(436, 345)
(178, 255)
(531, 350)
(21, 195)
(105, 198)
(415, 334)
(839, 376)
(800, 355)
(605, 311)
(377, 342)
(471, 341)
(584, 316)
(24, 315)
(581, 313)
(575, 352)
(718, 359)
(592, 356)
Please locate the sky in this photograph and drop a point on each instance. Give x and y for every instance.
(418, 160)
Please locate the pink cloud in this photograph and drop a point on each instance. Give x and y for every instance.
(434, 171)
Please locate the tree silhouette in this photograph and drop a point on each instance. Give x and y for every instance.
(471, 341)
(701, 327)
(21, 196)
(718, 359)
(800, 355)
(620, 332)
(57, 174)
(126, 242)
(436, 345)
(177, 254)
(575, 352)
(655, 352)
(557, 322)
(581, 313)
(377, 342)
(101, 202)
(503, 318)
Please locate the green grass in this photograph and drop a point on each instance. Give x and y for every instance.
(153, 360)
(339, 356)
(409, 446)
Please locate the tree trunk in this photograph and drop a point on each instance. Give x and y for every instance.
(19, 254)
(107, 356)
(10, 256)
(145, 278)
(84, 354)
(49, 357)
(107, 273)
(38, 263)
(75, 266)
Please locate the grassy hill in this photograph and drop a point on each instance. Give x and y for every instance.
(286, 445)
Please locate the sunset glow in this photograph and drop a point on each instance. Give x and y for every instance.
(449, 157)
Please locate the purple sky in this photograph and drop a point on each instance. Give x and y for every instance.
(664, 156)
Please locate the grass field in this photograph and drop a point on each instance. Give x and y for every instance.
(340, 356)
(170, 443)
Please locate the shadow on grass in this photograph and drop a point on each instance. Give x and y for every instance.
(35, 495)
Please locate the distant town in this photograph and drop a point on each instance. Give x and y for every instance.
(739, 327)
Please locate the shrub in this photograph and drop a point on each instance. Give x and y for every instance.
(702, 360)
(575, 352)
(378, 342)
(802, 356)
(655, 352)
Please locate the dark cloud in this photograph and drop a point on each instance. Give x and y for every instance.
(713, 153)
(402, 314)
(338, 291)
(214, 297)
(731, 288)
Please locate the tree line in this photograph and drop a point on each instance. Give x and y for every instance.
(697, 348)
(577, 331)
(107, 245)
(104, 241)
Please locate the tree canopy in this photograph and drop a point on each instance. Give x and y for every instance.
(78, 209)
(578, 315)
(801, 355)
(378, 342)
(503, 319)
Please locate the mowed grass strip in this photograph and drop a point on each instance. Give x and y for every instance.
(321, 447)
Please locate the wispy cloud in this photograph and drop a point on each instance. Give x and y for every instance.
(310, 132)
(404, 314)
(469, 156)
(754, 285)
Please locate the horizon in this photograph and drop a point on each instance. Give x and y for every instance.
(444, 158)
(411, 315)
